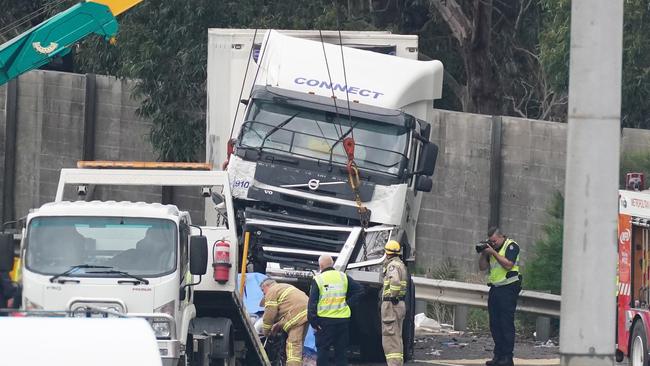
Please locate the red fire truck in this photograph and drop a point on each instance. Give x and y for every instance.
(633, 296)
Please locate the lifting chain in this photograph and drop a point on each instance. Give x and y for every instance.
(355, 183)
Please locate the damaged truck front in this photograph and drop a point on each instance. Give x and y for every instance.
(329, 152)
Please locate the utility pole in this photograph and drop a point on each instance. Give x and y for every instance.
(591, 203)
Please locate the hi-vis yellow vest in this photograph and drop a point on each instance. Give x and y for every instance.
(333, 287)
(498, 273)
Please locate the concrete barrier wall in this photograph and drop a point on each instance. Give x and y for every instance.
(50, 136)
(457, 209)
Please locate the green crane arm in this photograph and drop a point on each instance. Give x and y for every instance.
(53, 38)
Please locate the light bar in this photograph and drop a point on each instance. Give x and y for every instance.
(104, 164)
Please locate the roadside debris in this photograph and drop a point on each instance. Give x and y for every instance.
(547, 344)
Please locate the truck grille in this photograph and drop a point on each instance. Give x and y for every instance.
(290, 238)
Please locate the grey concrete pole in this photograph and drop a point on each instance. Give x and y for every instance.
(589, 256)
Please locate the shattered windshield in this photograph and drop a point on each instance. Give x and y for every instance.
(139, 246)
(312, 133)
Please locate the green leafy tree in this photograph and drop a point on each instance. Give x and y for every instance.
(554, 48)
(163, 46)
(489, 49)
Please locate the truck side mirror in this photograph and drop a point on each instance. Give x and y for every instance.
(6, 252)
(428, 156)
(424, 184)
(198, 255)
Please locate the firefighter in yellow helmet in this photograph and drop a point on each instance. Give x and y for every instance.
(393, 308)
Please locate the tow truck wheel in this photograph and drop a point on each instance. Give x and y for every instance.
(638, 346)
(182, 361)
(408, 326)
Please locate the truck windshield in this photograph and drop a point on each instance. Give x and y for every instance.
(139, 246)
(311, 133)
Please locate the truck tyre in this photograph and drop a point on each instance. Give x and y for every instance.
(182, 361)
(638, 355)
(230, 361)
(408, 327)
(221, 349)
(368, 322)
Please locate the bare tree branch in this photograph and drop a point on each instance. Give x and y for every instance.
(460, 91)
(522, 10)
(453, 15)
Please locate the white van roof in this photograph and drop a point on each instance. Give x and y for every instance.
(78, 342)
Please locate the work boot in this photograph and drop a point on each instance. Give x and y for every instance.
(492, 362)
(505, 361)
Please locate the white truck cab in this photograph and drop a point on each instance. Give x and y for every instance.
(121, 256)
(99, 259)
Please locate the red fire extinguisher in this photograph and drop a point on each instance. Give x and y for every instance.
(221, 261)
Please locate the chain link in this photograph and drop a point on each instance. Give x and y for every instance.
(364, 213)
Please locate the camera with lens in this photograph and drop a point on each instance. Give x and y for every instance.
(482, 245)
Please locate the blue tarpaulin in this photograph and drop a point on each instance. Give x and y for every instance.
(253, 296)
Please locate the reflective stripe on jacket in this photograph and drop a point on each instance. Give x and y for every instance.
(284, 304)
(395, 275)
(333, 289)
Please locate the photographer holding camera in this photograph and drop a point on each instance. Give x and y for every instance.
(500, 255)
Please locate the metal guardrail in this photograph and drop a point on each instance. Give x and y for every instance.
(461, 293)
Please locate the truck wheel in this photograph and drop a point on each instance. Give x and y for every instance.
(408, 327)
(183, 361)
(230, 361)
(368, 322)
(638, 346)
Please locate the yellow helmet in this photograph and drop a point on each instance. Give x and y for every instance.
(392, 247)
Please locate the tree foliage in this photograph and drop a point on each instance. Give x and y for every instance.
(163, 46)
(500, 57)
(18, 16)
(554, 53)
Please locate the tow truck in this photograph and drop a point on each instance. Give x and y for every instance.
(145, 260)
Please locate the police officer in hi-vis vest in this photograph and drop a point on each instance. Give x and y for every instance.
(393, 308)
(501, 257)
(331, 295)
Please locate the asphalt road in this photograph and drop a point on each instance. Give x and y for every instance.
(473, 350)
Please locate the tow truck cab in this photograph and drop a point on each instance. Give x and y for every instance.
(127, 257)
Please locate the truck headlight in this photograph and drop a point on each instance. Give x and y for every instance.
(30, 305)
(161, 328)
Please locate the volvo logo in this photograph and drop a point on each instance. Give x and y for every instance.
(312, 184)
